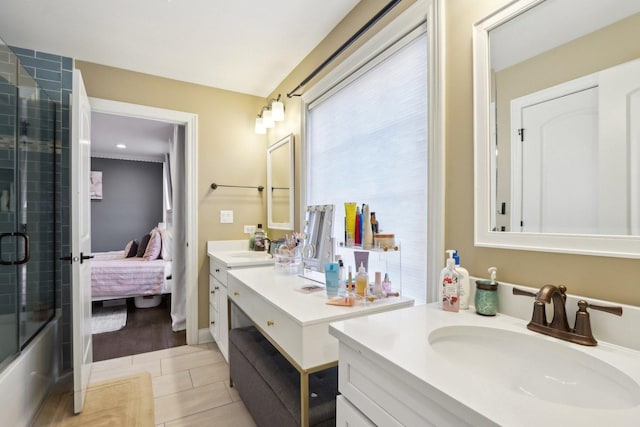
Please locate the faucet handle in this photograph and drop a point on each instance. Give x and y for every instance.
(583, 323)
(582, 306)
(517, 291)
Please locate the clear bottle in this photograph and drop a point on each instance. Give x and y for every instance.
(259, 239)
(465, 286)
(362, 281)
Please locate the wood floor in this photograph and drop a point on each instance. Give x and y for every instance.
(147, 329)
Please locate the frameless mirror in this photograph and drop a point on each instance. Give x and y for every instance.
(280, 184)
(557, 127)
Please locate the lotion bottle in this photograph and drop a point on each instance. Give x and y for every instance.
(450, 285)
(367, 233)
(465, 287)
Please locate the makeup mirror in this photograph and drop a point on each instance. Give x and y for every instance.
(318, 245)
(557, 127)
(280, 184)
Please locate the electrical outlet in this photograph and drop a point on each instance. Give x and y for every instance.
(249, 229)
(226, 217)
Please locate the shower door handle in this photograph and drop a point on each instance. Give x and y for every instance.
(25, 257)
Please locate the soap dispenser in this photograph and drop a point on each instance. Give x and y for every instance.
(465, 289)
(486, 300)
(450, 285)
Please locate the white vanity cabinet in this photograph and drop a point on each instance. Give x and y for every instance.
(220, 262)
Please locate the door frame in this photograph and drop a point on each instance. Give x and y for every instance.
(190, 121)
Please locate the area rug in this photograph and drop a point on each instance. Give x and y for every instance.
(126, 401)
(108, 319)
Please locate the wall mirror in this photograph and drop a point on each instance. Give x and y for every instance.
(280, 184)
(557, 127)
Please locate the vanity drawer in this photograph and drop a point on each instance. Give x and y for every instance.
(267, 317)
(218, 270)
(387, 399)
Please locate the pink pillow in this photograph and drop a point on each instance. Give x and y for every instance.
(154, 247)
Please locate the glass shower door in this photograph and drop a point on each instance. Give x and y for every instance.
(27, 206)
(36, 176)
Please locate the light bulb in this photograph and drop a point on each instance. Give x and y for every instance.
(267, 120)
(260, 129)
(277, 111)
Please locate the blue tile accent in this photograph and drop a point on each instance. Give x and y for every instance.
(21, 52)
(40, 63)
(49, 56)
(48, 75)
(67, 63)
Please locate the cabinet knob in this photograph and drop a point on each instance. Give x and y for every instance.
(216, 288)
(213, 292)
(217, 270)
(213, 322)
(236, 294)
(270, 323)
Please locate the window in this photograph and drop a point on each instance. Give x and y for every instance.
(367, 143)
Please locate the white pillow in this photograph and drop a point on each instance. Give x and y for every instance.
(167, 244)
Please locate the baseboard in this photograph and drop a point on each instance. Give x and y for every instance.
(204, 336)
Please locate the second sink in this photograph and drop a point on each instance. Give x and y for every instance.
(536, 366)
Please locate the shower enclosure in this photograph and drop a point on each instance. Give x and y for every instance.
(28, 182)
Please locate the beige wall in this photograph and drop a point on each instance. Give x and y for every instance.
(229, 151)
(615, 279)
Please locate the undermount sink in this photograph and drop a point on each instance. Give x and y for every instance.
(536, 366)
(249, 254)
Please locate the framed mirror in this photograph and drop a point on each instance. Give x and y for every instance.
(280, 184)
(318, 245)
(557, 127)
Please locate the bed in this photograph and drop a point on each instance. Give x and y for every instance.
(115, 276)
(143, 270)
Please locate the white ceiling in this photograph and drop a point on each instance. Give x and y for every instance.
(246, 46)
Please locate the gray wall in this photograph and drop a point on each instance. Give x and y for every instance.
(131, 205)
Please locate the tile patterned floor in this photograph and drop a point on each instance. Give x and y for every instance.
(190, 385)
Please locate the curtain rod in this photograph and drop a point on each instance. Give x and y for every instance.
(348, 43)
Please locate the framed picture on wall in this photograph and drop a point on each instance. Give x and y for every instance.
(95, 186)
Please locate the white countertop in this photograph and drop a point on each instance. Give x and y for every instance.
(306, 309)
(399, 341)
(241, 258)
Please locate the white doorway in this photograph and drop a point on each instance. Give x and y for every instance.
(190, 123)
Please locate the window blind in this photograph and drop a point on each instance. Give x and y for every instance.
(367, 143)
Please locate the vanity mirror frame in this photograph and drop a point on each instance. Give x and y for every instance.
(285, 143)
(622, 246)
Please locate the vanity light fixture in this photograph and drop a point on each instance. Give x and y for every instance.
(269, 114)
(121, 146)
(260, 128)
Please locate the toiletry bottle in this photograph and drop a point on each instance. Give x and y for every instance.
(358, 235)
(342, 287)
(367, 233)
(259, 239)
(465, 289)
(362, 281)
(377, 285)
(350, 283)
(450, 285)
(386, 284)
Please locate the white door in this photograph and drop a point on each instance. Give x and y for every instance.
(80, 240)
(559, 165)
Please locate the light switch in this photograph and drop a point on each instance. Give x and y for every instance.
(226, 217)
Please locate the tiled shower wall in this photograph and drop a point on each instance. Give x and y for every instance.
(54, 74)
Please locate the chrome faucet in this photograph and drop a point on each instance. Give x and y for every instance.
(559, 326)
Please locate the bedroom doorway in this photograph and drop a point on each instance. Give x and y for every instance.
(182, 303)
